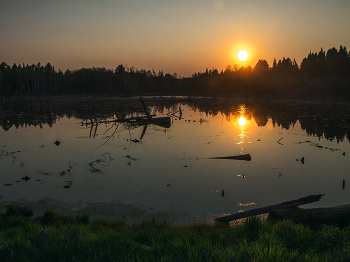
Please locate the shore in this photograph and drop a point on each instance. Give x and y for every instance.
(109, 211)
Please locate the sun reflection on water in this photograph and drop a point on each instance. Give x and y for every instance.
(242, 121)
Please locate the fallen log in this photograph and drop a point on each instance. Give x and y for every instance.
(152, 119)
(267, 209)
(246, 157)
(159, 121)
(337, 215)
(136, 118)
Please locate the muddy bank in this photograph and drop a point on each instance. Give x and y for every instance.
(109, 211)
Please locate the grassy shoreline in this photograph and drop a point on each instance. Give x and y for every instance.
(53, 237)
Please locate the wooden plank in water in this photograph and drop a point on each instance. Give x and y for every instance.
(267, 209)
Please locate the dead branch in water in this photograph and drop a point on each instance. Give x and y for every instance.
(10, 154)
(112, 135)
(104, 160)
(279, 141)
(70, 168)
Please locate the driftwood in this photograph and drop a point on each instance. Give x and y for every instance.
(142, 120)
(337, 215)
(149, 119)
(246, 157)
(136, 118)
(159, 121)
(267, 209)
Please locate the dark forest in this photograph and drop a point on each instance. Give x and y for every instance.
(320, 74)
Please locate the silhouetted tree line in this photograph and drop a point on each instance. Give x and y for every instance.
(319, 74)
(45, 80)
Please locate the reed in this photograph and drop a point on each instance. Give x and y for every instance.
(53, 237)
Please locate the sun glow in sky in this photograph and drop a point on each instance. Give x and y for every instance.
(242, 55)
(180, 37)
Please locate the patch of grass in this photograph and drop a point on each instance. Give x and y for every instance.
(54, 237)
(12, 210)
(83, 218)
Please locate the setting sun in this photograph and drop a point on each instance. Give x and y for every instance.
(242, 55)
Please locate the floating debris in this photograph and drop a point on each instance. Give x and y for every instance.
(57, 143)
(318, 146)
(62, 173)
(201, 120)
(26, 178)
(8, 184)
(45, 173)
(245, 205)
(131, 158)
(66, 186)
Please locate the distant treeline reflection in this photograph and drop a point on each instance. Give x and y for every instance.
(319, 74)
(317, 118)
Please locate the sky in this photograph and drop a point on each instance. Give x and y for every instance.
(176, 36)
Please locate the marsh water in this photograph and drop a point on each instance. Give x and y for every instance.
(76, 150)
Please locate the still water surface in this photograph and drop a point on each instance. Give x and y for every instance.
(167, 168)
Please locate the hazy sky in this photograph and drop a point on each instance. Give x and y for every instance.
(182, 36)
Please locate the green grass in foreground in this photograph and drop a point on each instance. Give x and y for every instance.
(57, 238)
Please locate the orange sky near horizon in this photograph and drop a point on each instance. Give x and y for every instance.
(180, 37)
